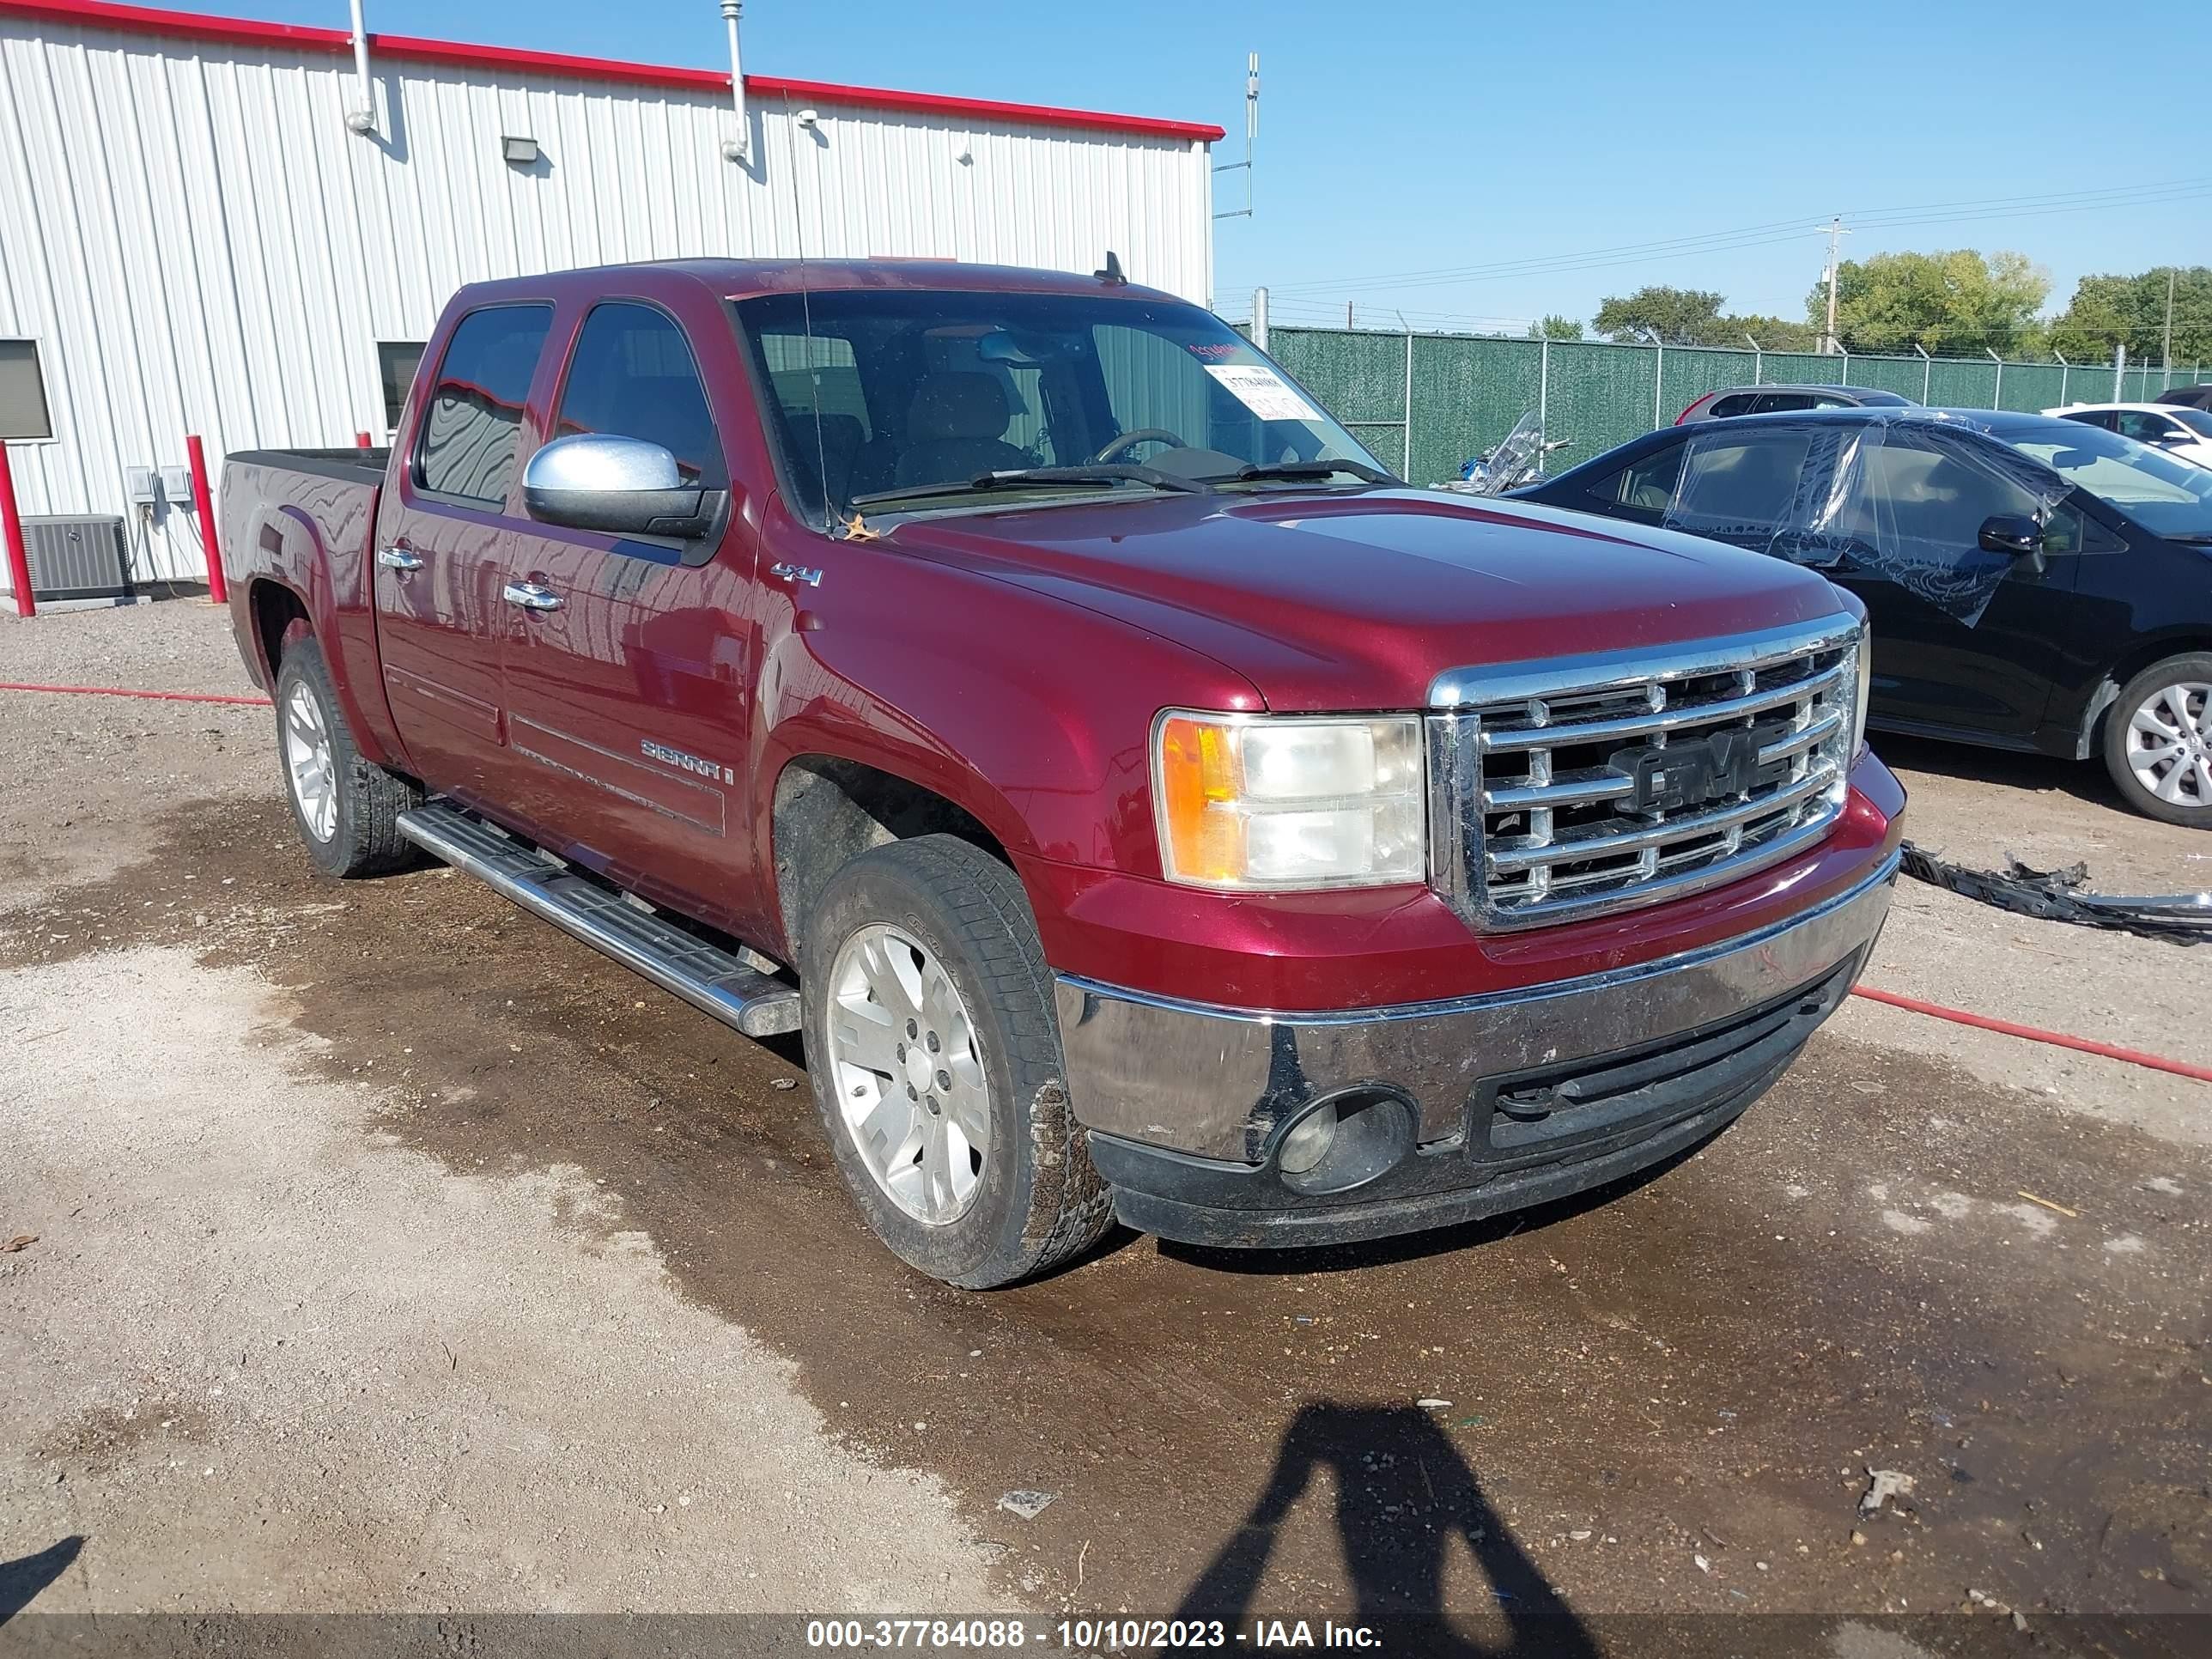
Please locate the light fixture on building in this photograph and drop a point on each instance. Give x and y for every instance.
(520, 152)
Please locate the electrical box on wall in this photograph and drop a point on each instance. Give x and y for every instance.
(143, 484)
(177, 487)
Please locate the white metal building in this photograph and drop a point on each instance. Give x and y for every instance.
(197, 235)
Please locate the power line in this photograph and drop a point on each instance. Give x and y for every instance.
(1967, 211)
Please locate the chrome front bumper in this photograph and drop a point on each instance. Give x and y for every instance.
(1223, 1084)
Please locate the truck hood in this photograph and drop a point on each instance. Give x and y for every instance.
(1358, 600)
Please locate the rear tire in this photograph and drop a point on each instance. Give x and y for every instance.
(347, 808)
(934, 1055)
(2158, 741)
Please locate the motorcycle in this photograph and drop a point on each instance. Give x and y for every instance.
(1516, 460)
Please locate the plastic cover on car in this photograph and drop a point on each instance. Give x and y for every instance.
(1900, 494)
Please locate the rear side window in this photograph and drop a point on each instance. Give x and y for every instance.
(1735, 403)
(472, 430)
(2100, 417)
(1776, 403)
(1738, 484)
(632, 375)
(2144, 426)
(1643, 488)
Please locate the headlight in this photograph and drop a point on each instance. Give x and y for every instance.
(1864, 651)
(1256, 802)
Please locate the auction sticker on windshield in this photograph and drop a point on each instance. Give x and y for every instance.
(1263, 392)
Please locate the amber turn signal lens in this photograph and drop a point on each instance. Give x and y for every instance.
(1201, 776)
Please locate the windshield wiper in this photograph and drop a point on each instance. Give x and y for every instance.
(2194, 537)
(1306, 470)
(1030, 476)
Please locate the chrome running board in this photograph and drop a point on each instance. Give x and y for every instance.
(711, 979)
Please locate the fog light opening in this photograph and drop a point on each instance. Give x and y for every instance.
(1308, 1143)
(1346, 1142)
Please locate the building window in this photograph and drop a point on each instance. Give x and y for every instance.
(22, 391)
(395, 364)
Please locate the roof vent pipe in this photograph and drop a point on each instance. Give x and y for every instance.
(362, 118)
(734, 149)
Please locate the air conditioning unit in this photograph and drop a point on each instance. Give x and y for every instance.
(77, 558)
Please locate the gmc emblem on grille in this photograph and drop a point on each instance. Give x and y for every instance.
(1692, 772)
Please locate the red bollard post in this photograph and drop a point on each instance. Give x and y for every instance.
(11, 525)
(204, 504)
(360, 441)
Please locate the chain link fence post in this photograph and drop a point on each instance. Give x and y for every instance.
(1544, 386)
(1408, 462)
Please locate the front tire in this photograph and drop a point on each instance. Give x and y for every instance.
(934, 1055)
(347, 808)
(2158, 741)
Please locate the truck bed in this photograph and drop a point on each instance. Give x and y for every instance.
(298, 530)
(353, 465)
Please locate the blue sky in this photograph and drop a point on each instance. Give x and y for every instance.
(1425, 137)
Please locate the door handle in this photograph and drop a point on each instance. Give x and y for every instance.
(532, 596)
(399, 559)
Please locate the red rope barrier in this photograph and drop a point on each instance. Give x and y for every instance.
(2035, 1034)
(150, 696)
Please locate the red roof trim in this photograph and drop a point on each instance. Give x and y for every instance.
(249, 31)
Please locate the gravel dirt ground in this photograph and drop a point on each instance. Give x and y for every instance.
(394, 1253)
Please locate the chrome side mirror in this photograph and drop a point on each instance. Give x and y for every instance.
(624, 486)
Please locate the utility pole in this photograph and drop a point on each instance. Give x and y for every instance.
(2166, 370)
(1348, 323)
(1836, 232)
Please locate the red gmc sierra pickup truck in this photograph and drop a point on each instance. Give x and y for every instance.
(1142, 803)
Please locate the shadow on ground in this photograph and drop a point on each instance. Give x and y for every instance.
(23, 1578)
(1405, 1502)
(2086, 780)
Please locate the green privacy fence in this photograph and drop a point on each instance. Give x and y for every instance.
(1424, 403)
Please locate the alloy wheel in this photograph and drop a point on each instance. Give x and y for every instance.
(909, 1081)
(310, 763)
(2169, 746)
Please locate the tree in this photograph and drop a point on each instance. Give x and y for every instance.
(2107, 311)
(1679, 316)
(1692, 317)
(1772, 333)
(1556, 327)
(1953, 304)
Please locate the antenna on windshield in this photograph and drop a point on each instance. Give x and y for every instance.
(802, 120)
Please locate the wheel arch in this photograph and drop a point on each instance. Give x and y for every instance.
(275, 605)
(829, 807)
(2089, 736)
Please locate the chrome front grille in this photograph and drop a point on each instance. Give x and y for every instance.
(1567, 789)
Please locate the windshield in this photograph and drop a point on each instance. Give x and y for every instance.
(2165, 495)
(878, 394)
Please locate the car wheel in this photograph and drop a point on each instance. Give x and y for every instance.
(2158, 741)
(346, 807)
(934, 1055)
